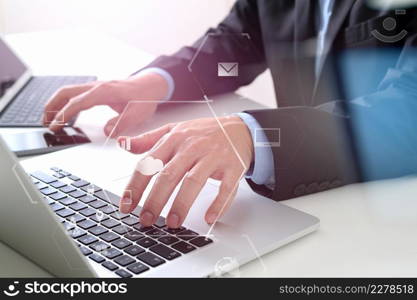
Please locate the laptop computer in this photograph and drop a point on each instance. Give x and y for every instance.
(23, 96)
(60, 219)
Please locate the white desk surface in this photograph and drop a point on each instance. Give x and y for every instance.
(366, 229)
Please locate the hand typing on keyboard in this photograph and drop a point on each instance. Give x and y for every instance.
(70, 100)
(194, 150)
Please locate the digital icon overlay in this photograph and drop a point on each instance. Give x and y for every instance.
(227, 69)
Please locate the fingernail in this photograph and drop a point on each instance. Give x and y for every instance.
(125, 205)
(173, 220)
(211, 217)
(53, 125)
(146, 218)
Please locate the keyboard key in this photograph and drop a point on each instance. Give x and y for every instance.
(41, 185)
(201, 241)
(137, 268)
(80, 183)
(108, 197)
(43, 177)
(124, 260)
(165, 251)
(57, 206)
(88, 211)
(141, 228)
(150, 259)
(85, 251)
(67, 201)
(155, 233)
(67, 189)
(108, 209)
(86, 224)
(109, 265)
(160, 222)
(87, 198)
(68, 225)
(99, 217)
(65, 212)
(168, 239)
(174, 230)
(121, 229)
(74, 178)
(97, 230)
(58, 196)
(78, 206)
(48, 200)
(109, 237)
(87, 239)
(64, 173)
(123, 273)
(118, 215)
(110, 223)
(91, 188)
(134, 235)
(111, 253)
(121, 243)
(97, 258)
(77, 194)
(183, 247)
(48, 191)
(77, 232)
(58, 184)
(76, 218)
(134, 250)
(146, 242)
(130, 221)
(99, 246)
(187, 234)
(55, 169)
(58, 175)
(97, 204)
(136, 212)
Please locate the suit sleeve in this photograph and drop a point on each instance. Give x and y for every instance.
(236, 39)
(315, 152)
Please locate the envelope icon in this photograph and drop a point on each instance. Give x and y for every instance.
(227, 69)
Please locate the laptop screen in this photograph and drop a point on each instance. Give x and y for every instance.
(12, 68)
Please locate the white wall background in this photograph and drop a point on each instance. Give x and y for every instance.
(156, 26)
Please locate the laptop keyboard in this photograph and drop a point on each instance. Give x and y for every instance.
(27, 108)
(115, 240)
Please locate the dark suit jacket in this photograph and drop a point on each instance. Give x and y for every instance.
(279, 34)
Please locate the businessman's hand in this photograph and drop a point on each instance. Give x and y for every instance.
(194, 150)
(71, 100)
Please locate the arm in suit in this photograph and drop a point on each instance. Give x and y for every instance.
(314, 154)
(207, 52)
